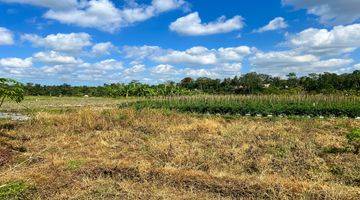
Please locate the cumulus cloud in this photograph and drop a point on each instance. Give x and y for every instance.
(101, 14)
(73, 42)
(337, 41)
(195, 61)
(6, 37)
(198, 55)
(192, 56)
(109, 64)
(164, 69)
(54, 58)
(54, 4)
(312, 51)
(192, 25)
(284, 62)
(333, 12)
(275, 24)
(105, 70)
(135, 69)
(199, 73)
(357, 66)
(141, 52)
(104, 48)
(202, 56)
(15, 62)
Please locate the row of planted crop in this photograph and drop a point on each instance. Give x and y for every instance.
(259, 105)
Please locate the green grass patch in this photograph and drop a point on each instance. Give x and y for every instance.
(14, 190)
(75, 164)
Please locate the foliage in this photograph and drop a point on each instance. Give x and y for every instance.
(251, 83)
(11, 89)
(259, 105)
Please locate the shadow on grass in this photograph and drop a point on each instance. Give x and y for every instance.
(336, 150)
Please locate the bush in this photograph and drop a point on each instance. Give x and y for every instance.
(11, 89)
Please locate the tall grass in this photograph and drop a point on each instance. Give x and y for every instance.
(306, 105)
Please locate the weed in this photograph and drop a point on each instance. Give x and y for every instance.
(13, 190)
(75, 164)
(354, 139)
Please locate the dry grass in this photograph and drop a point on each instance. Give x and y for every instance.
(126, 154)
(44, 103)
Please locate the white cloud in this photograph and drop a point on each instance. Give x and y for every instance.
(275, 24)
(134, 69)
(284, 62)
(312, 51)
(55, 4)
(104, 48)
(6, 37)
(192, 56)
(141, 52)
(106, 70)
(138, 13)
(192, 25)
(357, 66)
(213, 62)
(164, 69)
(339, 40)
(15, 62)
(54, 57)
(329, 11)
(109, 64)
(199, 73)
(102, 14)
(234, 53)
(202, 56)
(73, 42)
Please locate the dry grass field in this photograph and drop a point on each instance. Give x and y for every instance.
(96, 151)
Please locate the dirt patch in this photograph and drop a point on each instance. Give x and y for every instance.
(14, 116)
(5, 156)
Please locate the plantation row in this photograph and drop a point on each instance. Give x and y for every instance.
(337, 106)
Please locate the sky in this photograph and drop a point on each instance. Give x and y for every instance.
(92, 42)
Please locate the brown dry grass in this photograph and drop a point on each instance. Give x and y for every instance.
(149, 154)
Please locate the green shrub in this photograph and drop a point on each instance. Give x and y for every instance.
(11, 89)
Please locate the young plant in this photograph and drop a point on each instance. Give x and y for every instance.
(11, 89)
(354, 139)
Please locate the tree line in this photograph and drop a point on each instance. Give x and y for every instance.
(250, 83)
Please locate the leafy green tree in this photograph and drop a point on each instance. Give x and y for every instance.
(11, 89)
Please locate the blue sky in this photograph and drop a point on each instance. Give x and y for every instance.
(93, 42)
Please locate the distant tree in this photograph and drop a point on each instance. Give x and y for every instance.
(252, 83)
(11, 89)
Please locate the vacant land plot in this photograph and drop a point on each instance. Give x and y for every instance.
(100, 151)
